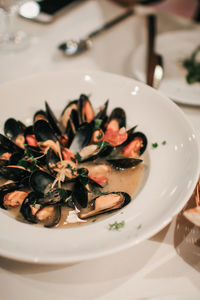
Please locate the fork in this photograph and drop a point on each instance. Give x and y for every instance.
(155, 69)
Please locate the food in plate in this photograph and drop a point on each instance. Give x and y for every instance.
(69, 171)
(192, 65)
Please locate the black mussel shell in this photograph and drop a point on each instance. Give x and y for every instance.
(9, 145)
(56, 196)
(134, 135)
(14, 158)
(25, 210)
(70, 112)
(40, 180)
(30, 132)
(53, 220)
(15, 173)
(51, 160)
(80, 194)
(12, 128)
(102, 114)
(109, 206)
(43, 131)
(82, 137)
(52, 119)
(3, 162)
(85, 115)
(34, 199)
(124, 163)
(7, 188)
(40, 115)
(119, 115)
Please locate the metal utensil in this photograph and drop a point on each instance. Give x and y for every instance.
(154, 60)
(71, 47)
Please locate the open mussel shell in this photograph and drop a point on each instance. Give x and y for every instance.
(51, 160)
(43, 131)
(52, 119)
(85, 109)
(7, 188)
(9, 145)
(3, 162)
(119, 116)
(102, 114)
(26, 211)
(40, 115)
(133, 136)
(13, 128)
(105, 203)
(55, 217)
(15, 158)
(40, 181)
(80, 194)
(33, 206)
(124, 163)
(15, 173)
(82, 137)
(66, 113)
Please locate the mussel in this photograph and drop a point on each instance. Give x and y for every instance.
(14, 130)
(135, 145)
(117, 119)
(85, 109)
(16, 173)
(105, 203)
(124, 162)
(6, 189)
(34, 210)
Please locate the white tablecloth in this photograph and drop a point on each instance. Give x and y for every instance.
(167, 263)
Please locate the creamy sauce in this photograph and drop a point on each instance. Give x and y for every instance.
(119, 181)
(127, 181)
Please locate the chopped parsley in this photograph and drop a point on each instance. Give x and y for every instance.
(97, 124)
(73, 170)
(193, 67)
(78, 157)
(154, 145)
(116, 225)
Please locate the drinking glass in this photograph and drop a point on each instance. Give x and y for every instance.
(10, 38)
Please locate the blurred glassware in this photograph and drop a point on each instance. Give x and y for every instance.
(10, 38)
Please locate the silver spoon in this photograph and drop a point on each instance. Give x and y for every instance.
(71, 47)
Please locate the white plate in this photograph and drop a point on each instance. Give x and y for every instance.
(170, 176)
(174, 47)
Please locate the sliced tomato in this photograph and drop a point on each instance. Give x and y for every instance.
(67, 154)
(133, 148)
(102, 180)
(31, 140)
(115, 137)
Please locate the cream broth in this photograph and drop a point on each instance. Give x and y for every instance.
(119, 181)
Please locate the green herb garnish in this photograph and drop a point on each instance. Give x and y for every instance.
(78, 157)
(73, 170)
(102, 145)
(29, 162)
(154, 145)
(164, 142)
(97, 124)
(193, 67)
(116, 226)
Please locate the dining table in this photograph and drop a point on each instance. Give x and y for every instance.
(168, 263)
